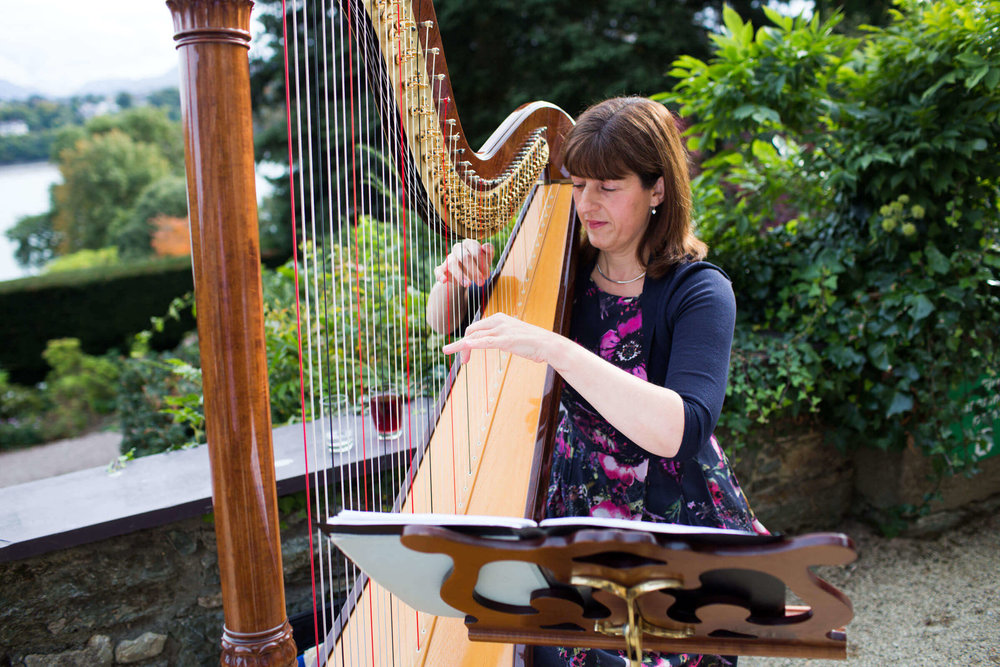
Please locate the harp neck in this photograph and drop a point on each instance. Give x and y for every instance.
(472, 192)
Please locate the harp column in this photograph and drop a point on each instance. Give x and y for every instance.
(213, 37)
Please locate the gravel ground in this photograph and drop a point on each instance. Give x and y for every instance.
(919, 601)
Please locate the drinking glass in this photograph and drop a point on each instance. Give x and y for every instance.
(387, 414)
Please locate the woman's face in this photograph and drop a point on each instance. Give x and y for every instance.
(615, 213)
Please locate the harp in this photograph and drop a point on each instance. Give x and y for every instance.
(488, 444)
(480, 449)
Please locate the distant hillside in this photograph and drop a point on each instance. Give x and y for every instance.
(133, 86)
(12, 91)
(104, 88)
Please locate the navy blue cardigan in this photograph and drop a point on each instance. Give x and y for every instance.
(688, 318)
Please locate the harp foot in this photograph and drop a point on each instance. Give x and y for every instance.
(269, 648)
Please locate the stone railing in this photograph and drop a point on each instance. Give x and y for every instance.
(102, 567)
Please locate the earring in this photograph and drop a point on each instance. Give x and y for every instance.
(652, 210)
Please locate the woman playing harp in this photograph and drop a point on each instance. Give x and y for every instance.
(647, 359)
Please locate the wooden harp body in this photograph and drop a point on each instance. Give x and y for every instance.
(484, 452)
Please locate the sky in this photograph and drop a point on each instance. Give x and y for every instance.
(57, 46)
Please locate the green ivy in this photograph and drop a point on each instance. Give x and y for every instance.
(850, 188)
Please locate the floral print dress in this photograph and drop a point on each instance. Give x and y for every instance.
(597, 471)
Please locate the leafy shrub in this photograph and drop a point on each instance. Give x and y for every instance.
(155, 385)
(20, 414)
(78, 393)
(161, 401)
(358, 311)
(851, 188)
(80, 388)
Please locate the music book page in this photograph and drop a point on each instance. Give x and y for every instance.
(371, 540)
(352, 521)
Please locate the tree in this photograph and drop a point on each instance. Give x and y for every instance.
(145, 125)
(36, 239)
(569, 52)
(106, 165)
(167, 99)
(124, 100)
(102, 178)
(133, 232)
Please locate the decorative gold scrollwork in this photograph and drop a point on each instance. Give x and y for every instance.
(636, 625)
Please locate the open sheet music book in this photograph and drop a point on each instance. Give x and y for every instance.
(354, 522)
(371, 540)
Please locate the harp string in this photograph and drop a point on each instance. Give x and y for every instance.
(298, 330)
(335, 186)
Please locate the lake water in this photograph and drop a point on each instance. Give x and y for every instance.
(24, 190)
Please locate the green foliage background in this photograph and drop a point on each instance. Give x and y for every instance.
(850, 186)
(345, 359)
(847, 179)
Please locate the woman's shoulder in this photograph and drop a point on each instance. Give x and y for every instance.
(692, 287)
(699, 269)
(690, 277)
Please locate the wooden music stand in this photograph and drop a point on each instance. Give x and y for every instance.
(605, 584)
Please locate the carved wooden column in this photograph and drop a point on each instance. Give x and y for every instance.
(213, 37)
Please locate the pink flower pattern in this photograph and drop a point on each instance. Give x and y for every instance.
(597, 471)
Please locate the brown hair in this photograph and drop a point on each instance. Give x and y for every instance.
(636, 135)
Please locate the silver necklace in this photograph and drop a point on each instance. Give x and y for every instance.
(618, 282)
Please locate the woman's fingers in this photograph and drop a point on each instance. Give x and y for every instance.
(467, 263)
(501, 332)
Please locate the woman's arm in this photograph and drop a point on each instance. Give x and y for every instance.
(649, 415)
(669, 420)
(467, 263)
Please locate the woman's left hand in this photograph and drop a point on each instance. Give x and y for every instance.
(503, 332)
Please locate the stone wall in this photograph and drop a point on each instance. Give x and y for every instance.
(798, 483)
(794, 481)
(887, 480)
(150, 597)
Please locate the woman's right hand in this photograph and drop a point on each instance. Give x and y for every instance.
(468, 262)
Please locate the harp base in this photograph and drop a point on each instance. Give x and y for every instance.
(270, 648)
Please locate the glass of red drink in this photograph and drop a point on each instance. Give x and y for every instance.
(387, 414)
